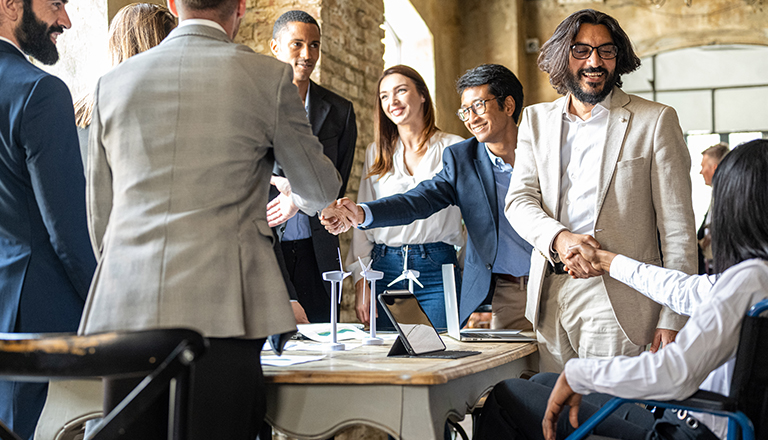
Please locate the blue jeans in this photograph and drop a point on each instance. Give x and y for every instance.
(426, 258)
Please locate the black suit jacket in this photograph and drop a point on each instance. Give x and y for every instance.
(333, 122)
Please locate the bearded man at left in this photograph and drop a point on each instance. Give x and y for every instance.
(46, 260)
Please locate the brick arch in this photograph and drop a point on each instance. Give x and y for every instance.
(682, 40)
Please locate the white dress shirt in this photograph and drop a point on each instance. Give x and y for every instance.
(703, 354)
(442, 226)
(203, 22)
(581, 150)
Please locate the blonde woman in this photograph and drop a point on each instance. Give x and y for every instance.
(408, 150)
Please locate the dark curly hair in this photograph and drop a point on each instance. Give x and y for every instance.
(555, 53)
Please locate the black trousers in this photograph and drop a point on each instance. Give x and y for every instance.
(301, 265)
(227, 395)
(515, 409)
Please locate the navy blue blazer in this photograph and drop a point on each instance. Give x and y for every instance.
(466, 181)
(46, 259)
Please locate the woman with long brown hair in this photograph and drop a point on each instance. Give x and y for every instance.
(408, 150)
(134, 29)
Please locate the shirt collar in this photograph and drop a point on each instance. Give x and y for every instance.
(306, 99)
(14, 45)
(600, 107)
(496, 161)
(202, 22)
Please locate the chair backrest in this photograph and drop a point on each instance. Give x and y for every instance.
(160, 356)
(749, 386)
(44, 356)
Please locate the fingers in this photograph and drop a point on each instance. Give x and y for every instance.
(573, 414)
(656, 343)
(298, 313)
(362, 302)
(578, 267)
(281, 183)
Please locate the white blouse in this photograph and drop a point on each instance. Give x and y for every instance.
(442, 226)
(703, 354)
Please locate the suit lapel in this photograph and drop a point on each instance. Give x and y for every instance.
(551, 155)
(484, 169)
(618, 122)
(318, 108)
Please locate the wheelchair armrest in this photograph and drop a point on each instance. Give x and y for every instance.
(701, 400)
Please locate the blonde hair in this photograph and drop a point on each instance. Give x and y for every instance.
(134, 29)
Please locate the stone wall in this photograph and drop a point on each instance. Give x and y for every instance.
(351, 61)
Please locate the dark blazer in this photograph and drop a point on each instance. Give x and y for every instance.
(466, 181)
(333, 122)
(46, 260)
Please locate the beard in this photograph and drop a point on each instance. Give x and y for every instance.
(34, 37)
(589, 96)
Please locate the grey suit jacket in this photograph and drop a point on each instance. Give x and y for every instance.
(182, 144)
(643, 208)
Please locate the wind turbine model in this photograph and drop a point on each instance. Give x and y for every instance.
(371, 275)
(335, 277)
(411, 275)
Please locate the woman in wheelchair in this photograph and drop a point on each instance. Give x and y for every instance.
(703, 354)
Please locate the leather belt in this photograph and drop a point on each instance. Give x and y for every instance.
(523, 280)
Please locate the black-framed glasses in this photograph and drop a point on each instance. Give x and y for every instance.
(607, 51)
(477, 107)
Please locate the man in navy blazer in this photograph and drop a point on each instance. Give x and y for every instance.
(305, 249)
(475, 177)
(46, 260)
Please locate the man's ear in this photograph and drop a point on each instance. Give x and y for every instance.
(11, 10)
(241, 8)
(509, 105)
(274, 46)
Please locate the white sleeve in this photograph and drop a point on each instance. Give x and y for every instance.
(677, 290)
(707, 341)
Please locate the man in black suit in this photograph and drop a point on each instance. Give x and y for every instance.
(46, 260)
(306, 249)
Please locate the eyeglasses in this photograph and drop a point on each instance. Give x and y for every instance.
(477, 107)
(607, 51)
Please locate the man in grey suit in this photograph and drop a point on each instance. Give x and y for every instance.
(605, 168)
(182, 146)
(305, 249)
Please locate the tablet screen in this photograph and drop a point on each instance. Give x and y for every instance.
(412, 323)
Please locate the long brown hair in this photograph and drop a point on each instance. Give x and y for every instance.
(134, 29)
(554, 55)
(386, 130)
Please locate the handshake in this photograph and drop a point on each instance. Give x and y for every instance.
(341, 215)
(338, 217)
(581, 254)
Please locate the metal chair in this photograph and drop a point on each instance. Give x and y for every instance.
(746, 406)
(164, 356)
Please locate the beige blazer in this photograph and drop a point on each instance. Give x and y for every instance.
(643, 207)
(181, 149)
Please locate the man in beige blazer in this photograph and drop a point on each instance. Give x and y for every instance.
(182, 145)
(606, 168)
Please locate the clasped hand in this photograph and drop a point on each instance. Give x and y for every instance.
(577, 252)
(341, 215)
